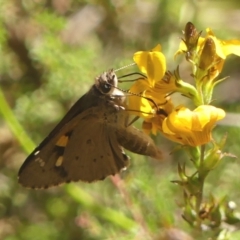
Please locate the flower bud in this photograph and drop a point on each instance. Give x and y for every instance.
(191, 36)
(191, 40)
(207, 55)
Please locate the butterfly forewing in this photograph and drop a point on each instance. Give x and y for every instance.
(89, 151)
(88, 142)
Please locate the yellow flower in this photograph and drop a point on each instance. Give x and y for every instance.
(223, 47)
(221, 50)
(192, 128)
(153, 64)
(158, 84)
(207, 54)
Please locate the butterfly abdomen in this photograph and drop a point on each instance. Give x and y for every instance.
(136, 141)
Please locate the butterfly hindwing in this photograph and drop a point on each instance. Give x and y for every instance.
(93, 152)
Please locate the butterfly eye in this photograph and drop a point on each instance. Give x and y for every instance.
(107, 86)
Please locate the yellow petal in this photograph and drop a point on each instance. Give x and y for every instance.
(180, 120)
(219, 49)
(140, 58)
(208, 112)
(231, 47)
(181, 49)
(151, 63)
(158, 48)
(139, 86)
(138, 104)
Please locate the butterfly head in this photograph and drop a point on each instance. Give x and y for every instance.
(106, 82)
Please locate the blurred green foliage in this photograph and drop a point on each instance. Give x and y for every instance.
(50, 52)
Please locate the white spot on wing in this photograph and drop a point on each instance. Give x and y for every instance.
(36, 153)
(40, 161)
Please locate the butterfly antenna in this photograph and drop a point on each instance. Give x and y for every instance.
(141, 76)
(133, 120)
(129, 74)
(147, 98)
(139, 95)
(159, 110)
(129, 65)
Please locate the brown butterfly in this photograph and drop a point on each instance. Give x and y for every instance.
(88, 142)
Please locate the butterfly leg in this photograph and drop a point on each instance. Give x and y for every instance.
(116, 107)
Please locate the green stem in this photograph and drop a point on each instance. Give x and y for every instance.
(16, 128)
(200, 93)
(199, 195)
